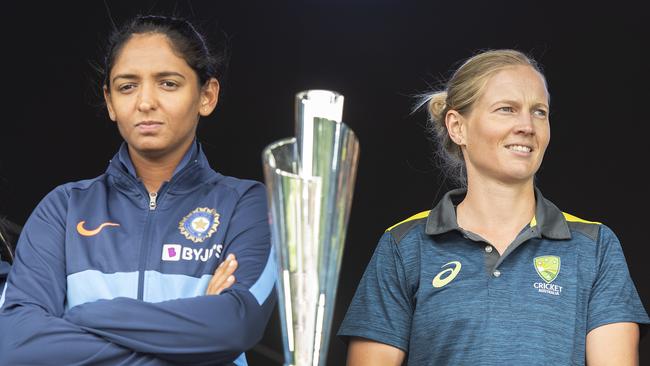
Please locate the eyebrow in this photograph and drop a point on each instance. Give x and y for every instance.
(510, 101)
(157, 75)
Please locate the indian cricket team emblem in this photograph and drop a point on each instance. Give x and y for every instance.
(199, 224)
(547, 267)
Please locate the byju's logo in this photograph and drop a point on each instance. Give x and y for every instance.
(171, 252)
(177, 252)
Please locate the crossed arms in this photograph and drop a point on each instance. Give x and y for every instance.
(36, 328)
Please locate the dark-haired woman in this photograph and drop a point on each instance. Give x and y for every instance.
(116, 269)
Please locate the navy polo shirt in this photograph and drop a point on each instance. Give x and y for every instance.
(445, 296)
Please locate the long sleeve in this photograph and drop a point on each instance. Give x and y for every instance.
(32, 331)
(204, 329)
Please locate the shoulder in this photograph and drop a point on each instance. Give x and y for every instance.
(246, 198)
(239, 186)
(589, 229)
(55, 203)
(60, 195)
(414, 224)
(598, 237)
(241, 192)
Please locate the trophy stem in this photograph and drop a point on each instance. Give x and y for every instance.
(310, 181)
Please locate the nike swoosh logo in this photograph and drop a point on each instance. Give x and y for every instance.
(83, 231)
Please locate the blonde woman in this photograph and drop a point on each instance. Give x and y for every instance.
(495, 274)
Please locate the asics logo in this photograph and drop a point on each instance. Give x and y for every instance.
(450, 273)
(85, 232)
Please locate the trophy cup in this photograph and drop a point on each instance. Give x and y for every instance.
(310, 180)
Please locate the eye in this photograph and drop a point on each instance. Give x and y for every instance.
(541, 113)
(506, 109)
(125, 88)
(169, 84)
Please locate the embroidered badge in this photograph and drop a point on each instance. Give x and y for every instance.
(199, 224)
(547, 267)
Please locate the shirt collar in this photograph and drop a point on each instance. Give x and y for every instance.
(548, 218)
(125, 158)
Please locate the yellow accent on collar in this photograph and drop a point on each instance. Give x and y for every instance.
(567, 217)
(572, 218)
(420, 215)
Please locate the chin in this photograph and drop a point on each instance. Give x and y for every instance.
(148, 148)
(520, 171)
(147, 142)
(519, 178)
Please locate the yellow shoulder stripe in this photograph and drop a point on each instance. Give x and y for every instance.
(572, 218)
(420, 215)
(569, 218)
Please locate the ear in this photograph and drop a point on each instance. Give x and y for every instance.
(456, 127)
(109, 104)
(209, 97)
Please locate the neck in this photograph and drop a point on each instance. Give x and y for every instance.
(154, 171)
(497, 211)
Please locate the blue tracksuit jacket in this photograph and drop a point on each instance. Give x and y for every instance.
(106, 274)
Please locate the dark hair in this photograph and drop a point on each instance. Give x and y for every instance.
(8, 234)
(186, 41)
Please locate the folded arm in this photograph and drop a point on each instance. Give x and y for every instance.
(32, 331)
(199, 330)
(204, 329)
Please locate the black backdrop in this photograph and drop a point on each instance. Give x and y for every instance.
(378, 54)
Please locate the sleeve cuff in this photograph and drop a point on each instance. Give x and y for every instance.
(376, 335)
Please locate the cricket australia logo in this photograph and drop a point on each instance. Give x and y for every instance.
(548, 268)
(199, 224)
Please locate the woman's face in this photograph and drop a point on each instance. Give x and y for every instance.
(154, 97)
(507, 131)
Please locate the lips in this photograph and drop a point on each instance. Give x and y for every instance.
(148, 123)
(522, 148)
(148, 126)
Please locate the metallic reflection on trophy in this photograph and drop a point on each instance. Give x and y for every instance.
(310, 181)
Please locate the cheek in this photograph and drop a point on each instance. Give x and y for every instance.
(545, 136)
(122, 107)
(485, 138)
(186, 107)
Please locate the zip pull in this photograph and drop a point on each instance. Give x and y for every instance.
(152, 200)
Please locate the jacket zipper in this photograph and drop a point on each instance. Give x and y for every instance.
(146, 244)
(152, 200)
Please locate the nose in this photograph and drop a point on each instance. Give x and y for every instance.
(525, 124)
(147, 98)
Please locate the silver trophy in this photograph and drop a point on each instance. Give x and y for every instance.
(310, 180)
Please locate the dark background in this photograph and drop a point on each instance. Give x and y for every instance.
(379, 54)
